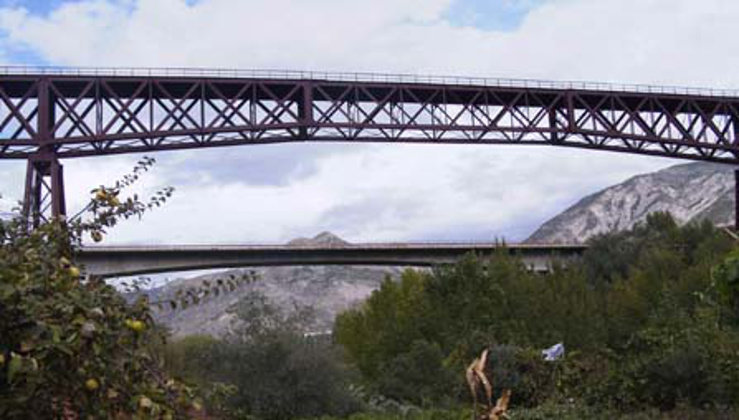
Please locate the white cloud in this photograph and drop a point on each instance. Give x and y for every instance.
(378, 193)
(412, 191)
(675, 41)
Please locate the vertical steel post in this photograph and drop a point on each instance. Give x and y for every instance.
(736, 200)
(554, 135)
(58, 201)
(735, 141)
(570, 102)
(44, 193)
(305, 110)
(31, 196)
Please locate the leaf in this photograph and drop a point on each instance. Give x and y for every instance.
(55, 334)
(34, 364)
(14, 367)
(6, 289)
(64, 349)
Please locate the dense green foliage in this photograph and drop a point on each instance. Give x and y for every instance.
(265, 367)
(553, 411)
(72, 345)
(648, 317)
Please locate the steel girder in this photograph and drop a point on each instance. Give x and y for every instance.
(44, 118)
(83, 116)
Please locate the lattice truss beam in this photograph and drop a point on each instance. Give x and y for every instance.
(82, 116)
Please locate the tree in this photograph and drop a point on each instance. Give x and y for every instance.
(645, 316)
(272, 369)
(71, 344)
(386, 324)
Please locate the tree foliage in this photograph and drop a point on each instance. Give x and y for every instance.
(266, 367)
(71, 345)
(648, 317)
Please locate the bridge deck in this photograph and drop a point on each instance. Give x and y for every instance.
(372, 77)
(111, 261)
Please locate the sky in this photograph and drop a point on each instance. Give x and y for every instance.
(370, 192)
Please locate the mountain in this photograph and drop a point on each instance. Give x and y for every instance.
(691, 192)
(327, 289)
(323, 238)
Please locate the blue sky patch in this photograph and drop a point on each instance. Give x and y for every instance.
(37, 7)
(501, 15)
(22, 55)
(45, 7)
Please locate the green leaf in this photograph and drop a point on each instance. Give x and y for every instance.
(6, 289)
(14, 366)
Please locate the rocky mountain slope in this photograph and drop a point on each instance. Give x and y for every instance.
(693, 191)
(328, 289)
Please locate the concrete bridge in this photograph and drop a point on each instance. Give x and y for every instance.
(114, 261)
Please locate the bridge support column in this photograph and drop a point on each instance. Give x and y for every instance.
(736, 200)
(43, 198)
(44, 194)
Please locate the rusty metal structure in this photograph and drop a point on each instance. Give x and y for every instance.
(48, 114)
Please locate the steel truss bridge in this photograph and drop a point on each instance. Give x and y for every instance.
(48, 114)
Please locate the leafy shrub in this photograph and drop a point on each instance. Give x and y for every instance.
(71, 345)
(266, 368)
(430, 414)
(418, 376)
(646, 319)
(726, 286)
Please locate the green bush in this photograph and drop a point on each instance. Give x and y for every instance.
(71, 345)
(559, 411)
(266, 368)
(191, 357)
(430, 414)
(646, 319)
(726, 288)
(418, 376)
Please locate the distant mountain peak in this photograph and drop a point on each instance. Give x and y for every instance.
(690, 192)
(324, 238)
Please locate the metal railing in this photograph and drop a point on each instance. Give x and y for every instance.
(361, 77)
